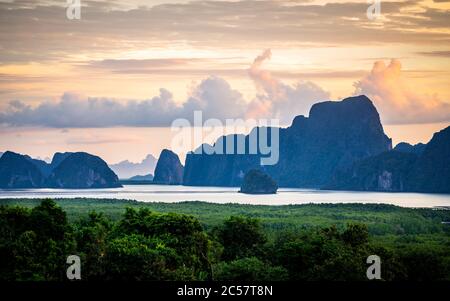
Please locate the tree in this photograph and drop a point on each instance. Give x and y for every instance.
(249, 269)
(423, 264)
(13, 222)
(241, 237)
(356, 235)
(35, 243)
(325, 254)
(183, 233)
(54, 239)
(136, 257)
(92, 235)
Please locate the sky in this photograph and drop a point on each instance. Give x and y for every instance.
(112, 82)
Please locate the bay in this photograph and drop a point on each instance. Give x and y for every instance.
(285, 196)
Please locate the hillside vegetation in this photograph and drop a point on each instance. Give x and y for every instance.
(128, 240)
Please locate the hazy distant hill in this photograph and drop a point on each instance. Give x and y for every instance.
(335, 135)
(148, 177)
(127, 169)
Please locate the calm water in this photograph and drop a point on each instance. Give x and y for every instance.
(163, 193)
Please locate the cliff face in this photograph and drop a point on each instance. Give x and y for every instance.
(388, 171)
(82, 170)
(432, 171)
(43, 166)
(429, 171)
(68, 170)
(58, 158)
(169, 169)
(335, 135)
(17, 171)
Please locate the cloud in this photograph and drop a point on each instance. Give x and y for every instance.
(437, 53)
(276, 99)
(396, 101)
(263, 78)
(213, 96)
(94, 139)
(216, 99)
(120, 64)
(38, 31)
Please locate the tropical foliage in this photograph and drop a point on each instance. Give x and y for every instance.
(143, 244)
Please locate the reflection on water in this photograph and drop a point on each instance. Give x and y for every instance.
(164, 193)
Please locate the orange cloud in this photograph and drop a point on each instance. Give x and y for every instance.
(276, 99)
(263, 78)
(396, 101)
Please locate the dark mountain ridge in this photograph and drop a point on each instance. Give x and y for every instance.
(341, 145)
(425, 171)
(67, 170)
(17, 171)
(416, 149)
(334, 136)
(169, 169)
